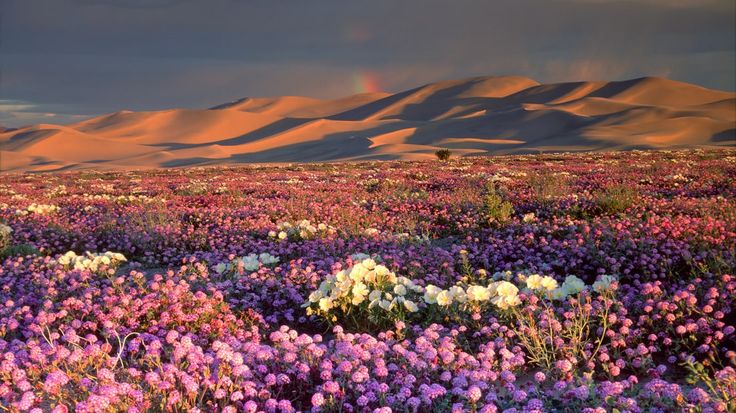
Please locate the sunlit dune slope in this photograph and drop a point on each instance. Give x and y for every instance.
(483, 115)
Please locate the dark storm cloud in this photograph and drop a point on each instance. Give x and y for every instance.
(72, 57)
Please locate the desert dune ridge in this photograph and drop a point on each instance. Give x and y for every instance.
(471, 117)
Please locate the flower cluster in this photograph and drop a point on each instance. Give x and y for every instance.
(250, 262)
(302, 230)
(39, 209)
(442, 312)
(367, 291)
(571, 286)
(122, 199)
(503, 294)
(91, 261)
(5, 234)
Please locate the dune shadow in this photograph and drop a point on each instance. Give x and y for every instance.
(726, 135)
(280, 126)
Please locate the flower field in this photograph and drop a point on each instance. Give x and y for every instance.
(596, 282)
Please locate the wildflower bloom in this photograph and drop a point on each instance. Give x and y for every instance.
(215, 307)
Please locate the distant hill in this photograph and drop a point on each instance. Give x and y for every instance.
(477, 116)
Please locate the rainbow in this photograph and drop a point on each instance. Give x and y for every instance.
(366, 82)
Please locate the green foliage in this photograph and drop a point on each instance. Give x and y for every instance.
(443, 154)
(575, 336)
(495, 208)
(21, 250)
(549, 186)
(704, 375)
(616, 199)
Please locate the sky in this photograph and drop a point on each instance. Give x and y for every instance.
(64, 60)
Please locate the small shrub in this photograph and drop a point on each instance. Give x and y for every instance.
(547, 187)
(615, 199)
(21, 250)
(443, 154)
(567, 324)
(495, 209)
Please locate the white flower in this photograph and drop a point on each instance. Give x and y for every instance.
(370, 277)
(250, 263)
(458, 294)
(506, 301)
(534, 282)
(67, 258)
(315, 296)
(369, 263)
(358, 272)
(268, 259)
(381, 270)
(272, 234)
(444, 298)
(39, 209)
(375, 295)
(430, 294)
(282, 235)
(5, 230)
(529, 217)
(325, 304)
(340, 276)
(359, 257)
(513, 301)
(344, 286)
(549, 283)
(558, 294)
(478, 293)
(507, 295)
(360, 291)
(399, 289)
(411, 306)
(506, 289)
(371, 232)
(603, 283)
(325, 286)
(573, 285)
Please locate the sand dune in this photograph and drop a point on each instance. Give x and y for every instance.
(476, 116)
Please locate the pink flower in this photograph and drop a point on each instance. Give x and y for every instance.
(318, 399)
